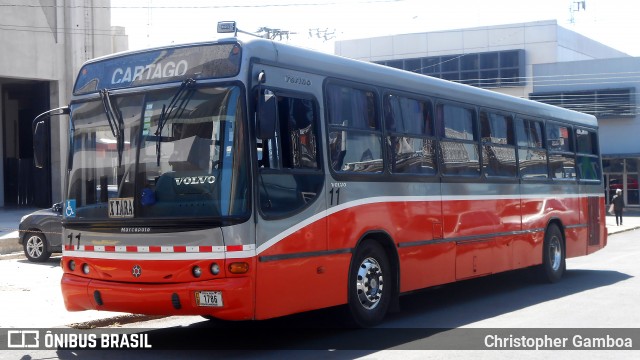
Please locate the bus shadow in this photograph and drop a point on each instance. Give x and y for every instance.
(463, 303)
(423, 315)
(52, 262)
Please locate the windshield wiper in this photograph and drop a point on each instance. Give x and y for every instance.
(114, 117)
(175, 109)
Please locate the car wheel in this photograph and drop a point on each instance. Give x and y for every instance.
(370, 285)
(35, 247)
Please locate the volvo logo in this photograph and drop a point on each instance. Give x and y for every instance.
(136, 271)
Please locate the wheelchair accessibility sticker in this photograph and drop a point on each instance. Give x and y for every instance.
(70, 208)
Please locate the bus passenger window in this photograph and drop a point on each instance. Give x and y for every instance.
(532, 156)
(587, 162)
(410, 143)
(498, 145)
(290, 174)
(355, 138)
(562, 160)
(458, 146)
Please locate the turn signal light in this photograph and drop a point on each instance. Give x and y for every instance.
(239, 268)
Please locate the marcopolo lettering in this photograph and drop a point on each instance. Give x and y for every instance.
(194, 180)
(149, 72)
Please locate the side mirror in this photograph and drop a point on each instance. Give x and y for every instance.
(40, 143)
(40, 127)
(267, 113)
(57, 208)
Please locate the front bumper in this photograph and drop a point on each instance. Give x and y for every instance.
(81, 293)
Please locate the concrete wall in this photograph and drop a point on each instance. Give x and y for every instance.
(49, 40)
(575, 47)
(30, 47)
(1, 151)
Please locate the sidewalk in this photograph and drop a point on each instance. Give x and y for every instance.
(630, 219)
(9, 221)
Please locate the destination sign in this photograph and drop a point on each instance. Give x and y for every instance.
(159, 66)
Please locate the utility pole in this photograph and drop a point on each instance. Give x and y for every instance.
(574, 8)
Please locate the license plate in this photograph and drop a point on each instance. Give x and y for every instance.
(209, 298)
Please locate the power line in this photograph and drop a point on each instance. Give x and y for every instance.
(537, 81)
(199, 6)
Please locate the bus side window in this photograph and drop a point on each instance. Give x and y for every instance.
(498, 145)
(410, 143)
(290, 174)
(532, 156)
(587, 158)
(355, 136)
(458, 143)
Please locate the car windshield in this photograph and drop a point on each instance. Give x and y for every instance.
(171, 158)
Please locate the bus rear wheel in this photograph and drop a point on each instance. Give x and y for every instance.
(553, 256)
(370, 285)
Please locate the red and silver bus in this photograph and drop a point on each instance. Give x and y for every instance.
(251, 179)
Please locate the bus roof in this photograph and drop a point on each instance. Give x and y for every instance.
(401, 80)
(111, 72)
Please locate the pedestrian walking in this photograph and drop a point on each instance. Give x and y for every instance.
(618, 205)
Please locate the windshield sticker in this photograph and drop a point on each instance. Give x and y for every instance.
(121, 208)
(147, 119)
(70, 208)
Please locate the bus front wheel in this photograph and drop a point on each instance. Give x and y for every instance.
(553, 256)
(370, 285)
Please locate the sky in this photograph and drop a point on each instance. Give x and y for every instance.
(150, 23)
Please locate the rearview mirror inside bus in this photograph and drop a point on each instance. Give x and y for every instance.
(267, 114)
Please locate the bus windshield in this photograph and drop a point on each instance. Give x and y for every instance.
(167, 154)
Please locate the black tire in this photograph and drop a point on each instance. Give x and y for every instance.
(35, 247)
(553, 256)
(370, 285)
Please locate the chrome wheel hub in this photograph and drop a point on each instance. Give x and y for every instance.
(369, 283)
(555, 253)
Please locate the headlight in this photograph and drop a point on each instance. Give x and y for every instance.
(22, 219)
(196, 271)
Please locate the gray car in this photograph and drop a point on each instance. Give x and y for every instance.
(41, 233)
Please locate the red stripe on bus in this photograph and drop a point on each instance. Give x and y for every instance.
(235, 248)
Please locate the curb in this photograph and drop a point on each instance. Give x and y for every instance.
(9, 245)
(623, 230)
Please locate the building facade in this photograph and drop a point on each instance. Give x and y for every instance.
(45, 42)
(606, 88)
(538, 60)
